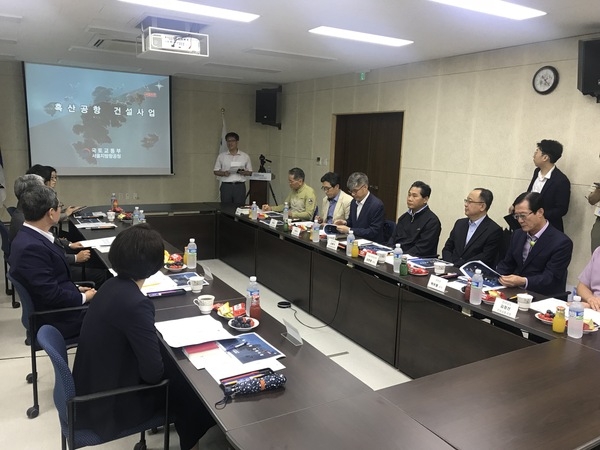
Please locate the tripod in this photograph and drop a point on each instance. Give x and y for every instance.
(262, 169)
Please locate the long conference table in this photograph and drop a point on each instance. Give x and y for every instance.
(475, 385)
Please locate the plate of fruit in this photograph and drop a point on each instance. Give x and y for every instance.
(546, 317)
(588, 326)
(174, 262)
(243, 323)
(417, 271)
(489, 298)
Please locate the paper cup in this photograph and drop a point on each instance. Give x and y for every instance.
(439, 268)
(205, 303)
(110, 215)
(524, 301)
(381, 254)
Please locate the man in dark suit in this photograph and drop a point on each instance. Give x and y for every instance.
(475, 237)
(539, 254)
(40, 264)
(366, 211)
(550, 182)
(418, 229)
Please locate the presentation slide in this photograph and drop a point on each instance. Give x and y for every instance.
(97, 122)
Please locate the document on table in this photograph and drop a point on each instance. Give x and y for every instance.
(158, 282)
(98, 243)
(96, 225)
(192, 330)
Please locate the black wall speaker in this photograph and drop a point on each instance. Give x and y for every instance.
(588, 74)
(268, 107)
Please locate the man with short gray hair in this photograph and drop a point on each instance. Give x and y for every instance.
(366, 211)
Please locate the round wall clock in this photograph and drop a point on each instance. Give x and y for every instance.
(545, 80)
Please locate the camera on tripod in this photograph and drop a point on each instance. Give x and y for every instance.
(263, 160)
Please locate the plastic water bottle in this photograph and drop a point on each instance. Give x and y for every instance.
(575, 324)
(192, 253)
(349, 243)
(397, 258)
(254, 211)
(315, 231)
(136, 215)
(252, 292)
(113, 201)
(286, 212)
(142, 216)
(476, 288)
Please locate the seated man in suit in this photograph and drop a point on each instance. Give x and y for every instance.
(550, 182)
(302, 200)
(366, 211)
(336, 203)
(539, 255)
(418, 229)
(40, 265)
(475, 237)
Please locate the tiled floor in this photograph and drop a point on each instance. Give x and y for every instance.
(41, 433)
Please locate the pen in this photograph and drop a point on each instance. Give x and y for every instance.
(233, 347)
(514, 297)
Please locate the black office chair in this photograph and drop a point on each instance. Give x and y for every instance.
(388, 230)
(67, 402)
(6, 251)
(29, 319)
(11, 210)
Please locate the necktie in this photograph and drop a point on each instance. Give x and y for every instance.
(531, 240)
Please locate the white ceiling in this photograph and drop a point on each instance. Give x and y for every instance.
(277, 48)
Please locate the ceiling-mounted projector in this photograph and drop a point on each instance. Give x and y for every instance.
(174, 41)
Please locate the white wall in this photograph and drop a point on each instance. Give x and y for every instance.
(469, 121)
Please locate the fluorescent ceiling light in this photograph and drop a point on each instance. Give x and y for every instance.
(196, 9)
(495, 8)
(358, 36)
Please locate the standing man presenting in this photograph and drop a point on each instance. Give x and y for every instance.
(232, 168)
(336, 203)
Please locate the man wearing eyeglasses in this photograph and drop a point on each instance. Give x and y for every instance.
(336, 203)
(301, 200)
(539, 254)
(232, 168)
(366, 211)
(475, 237)
(418, 229)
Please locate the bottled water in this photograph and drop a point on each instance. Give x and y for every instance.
(575, 324)
(397, 258)
(349, 243)
(113, 201)
(142, 217)
(252, 291)
(476, 288)
(286, 212)
(136, 215)
(192, 253)
(254, 211)
(315, 231)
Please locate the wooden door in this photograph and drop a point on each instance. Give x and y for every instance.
(371, 143)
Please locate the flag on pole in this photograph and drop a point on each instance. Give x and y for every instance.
(223, 144)
(2, 180)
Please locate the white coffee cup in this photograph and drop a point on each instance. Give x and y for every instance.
(524, 301)
(381, 255)
(196, 283)
(110, 215)
(205, 303)
(439, 268)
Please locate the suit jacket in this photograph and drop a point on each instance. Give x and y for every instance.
(369, 224)
(556, 195)
(42, 268)
(341, 210)
(483, 245)
(118, 347)
(546, 265)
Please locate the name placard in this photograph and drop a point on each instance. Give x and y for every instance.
(296, 231)
(371, 259)
(505, 308)
(238, 211)
(273, 223)
(437, 283)
(332, 244)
